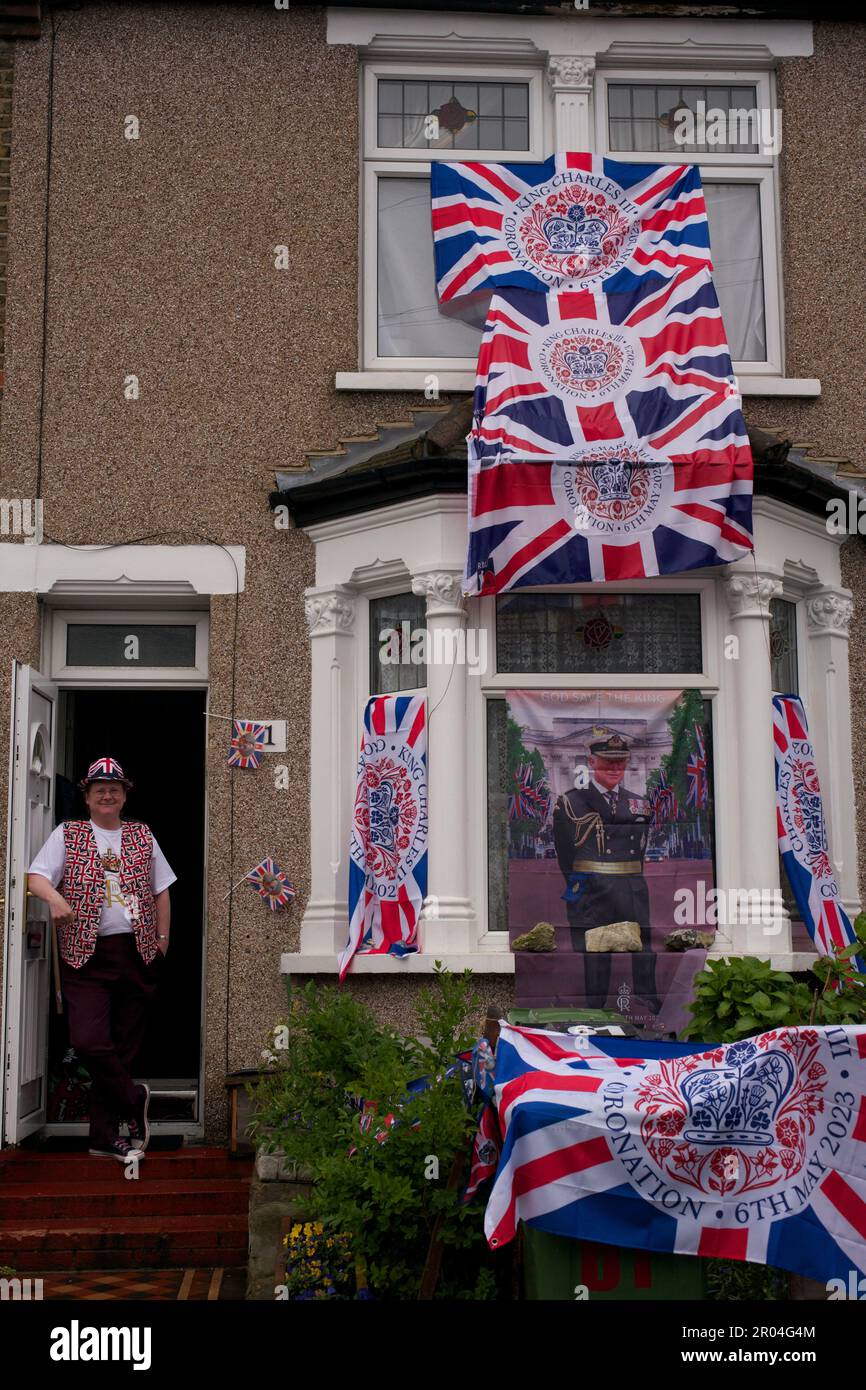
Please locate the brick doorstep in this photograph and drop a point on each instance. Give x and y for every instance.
(24, 1206)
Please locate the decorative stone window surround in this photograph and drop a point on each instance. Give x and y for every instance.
(420, 545)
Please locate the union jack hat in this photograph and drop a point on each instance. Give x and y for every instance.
(104, 770)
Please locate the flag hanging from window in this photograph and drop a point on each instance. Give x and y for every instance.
(608, 441)
(751, 1151)
(575, 219)
(388, 850)
(803, 832)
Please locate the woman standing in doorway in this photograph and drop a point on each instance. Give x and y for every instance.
(112, 917)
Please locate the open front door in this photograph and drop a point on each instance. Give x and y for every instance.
(28, 921)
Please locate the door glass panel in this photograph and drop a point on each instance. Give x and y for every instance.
(130, 644)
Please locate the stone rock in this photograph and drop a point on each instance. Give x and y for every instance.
(541, 938)
(616, 936)
(687, 939)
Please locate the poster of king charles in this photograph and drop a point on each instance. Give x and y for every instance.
(608, 824)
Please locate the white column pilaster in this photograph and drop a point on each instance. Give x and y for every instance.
(754, 801)
(449, 922)
(330, 613)
(828, 617)
(571, 77)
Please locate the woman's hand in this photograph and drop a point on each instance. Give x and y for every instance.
(61, 913)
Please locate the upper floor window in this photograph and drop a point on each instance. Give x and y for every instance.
(730, 122)
(412, 116)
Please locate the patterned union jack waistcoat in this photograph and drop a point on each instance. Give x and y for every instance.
(83, 887)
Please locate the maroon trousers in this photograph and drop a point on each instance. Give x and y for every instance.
(107, 1001)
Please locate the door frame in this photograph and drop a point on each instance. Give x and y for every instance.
(101, 609)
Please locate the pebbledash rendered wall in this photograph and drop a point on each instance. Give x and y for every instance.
(161, 264)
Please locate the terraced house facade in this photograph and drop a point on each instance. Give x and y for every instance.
(228, 383)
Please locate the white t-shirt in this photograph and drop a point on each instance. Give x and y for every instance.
(51, 860)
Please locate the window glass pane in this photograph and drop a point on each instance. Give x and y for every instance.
(783, 646)
(734, 214)
(393, 621)
(651, 109)
(517, 101)
(689, 837)
(497, 815)
(410, 324)
(130, 644)
(607, 634)
(489, 100)
(460, 108)
(390, 97)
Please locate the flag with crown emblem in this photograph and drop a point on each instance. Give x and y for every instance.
(754, 1150)
(388, 849)
(802, 832)
(271, 884)
(608, 441)
(574, 218)
(247, 743)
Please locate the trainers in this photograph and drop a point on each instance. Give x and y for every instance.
(137, 1127)
(121, 1149)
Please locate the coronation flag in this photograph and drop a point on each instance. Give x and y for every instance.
(752, 1150)
(803, 833)
(608, 441)
(388, 851)
(575, 217)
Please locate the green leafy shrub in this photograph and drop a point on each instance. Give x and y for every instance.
(385, 1183)
(742, 996)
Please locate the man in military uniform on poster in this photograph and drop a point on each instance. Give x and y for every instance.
(600, 832)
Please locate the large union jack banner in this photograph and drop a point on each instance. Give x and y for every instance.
(388, 851)
(803, 832)
(576, 217)
(752, 1151)
(608, 441)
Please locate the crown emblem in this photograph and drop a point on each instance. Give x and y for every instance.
(739, 1103)
(613, 480)
(575, 232)
(582, 362)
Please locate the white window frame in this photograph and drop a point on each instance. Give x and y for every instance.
(379, 162)
(365, 673)
(130, 673)
(759, 169)
(495, 683)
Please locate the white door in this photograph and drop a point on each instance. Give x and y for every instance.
(28, 921)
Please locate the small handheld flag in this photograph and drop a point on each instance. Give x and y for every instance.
(271, 884)
(247, 743)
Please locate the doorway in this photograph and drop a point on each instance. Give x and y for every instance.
(158, 737)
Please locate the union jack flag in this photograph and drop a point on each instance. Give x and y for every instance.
(388, 849)
(247, 743)
(271, 884)
(529, 802)
(696, 772)
(803, 833)
(663, 801)
(608, 440)
(753, 1150)
(576, 218)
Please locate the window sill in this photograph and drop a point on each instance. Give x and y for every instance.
(481, 962)
(396, 380)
